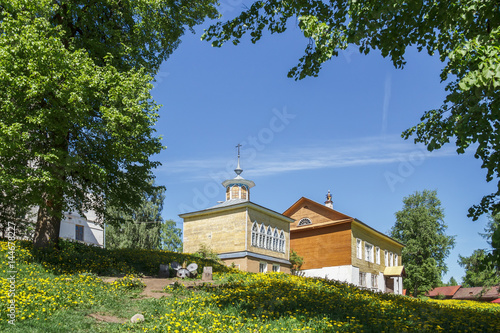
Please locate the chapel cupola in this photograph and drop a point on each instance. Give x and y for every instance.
(238, 188)
(329, 202)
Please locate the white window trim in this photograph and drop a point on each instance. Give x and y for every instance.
(386, 258)
(359, 249)
(265, 266)
(377, 255)
(369, 248)
(276, 267)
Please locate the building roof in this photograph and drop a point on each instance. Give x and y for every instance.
(448, 291)
(475, 293)
(235, 204)
(335, 216)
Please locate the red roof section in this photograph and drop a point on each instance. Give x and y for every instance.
(445, 291)
(475, 292)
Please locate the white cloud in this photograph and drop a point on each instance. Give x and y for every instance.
(338, 154)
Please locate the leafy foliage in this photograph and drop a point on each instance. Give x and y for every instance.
(482, 267)
(420, 226)
(464, 34)
(206, 252)
(170, 237)
(76, 114)
(237, 302)
(141, 229)
(296, 261)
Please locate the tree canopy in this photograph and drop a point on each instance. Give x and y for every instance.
(464, 34)
(76, 114)
(139, 229)
(420, 226)
(170, 237)
(482, 266)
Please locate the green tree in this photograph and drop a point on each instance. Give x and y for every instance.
(452, 282)
(482, 267)
(139, 230)
(296, 261)
(420, 226)
(464, 34)
(76, 114)
(170, 237)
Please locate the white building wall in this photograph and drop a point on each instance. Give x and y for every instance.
(92, 232)
(381, 282)
(350, 274)
(346, 273)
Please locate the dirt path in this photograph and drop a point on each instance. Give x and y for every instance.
(154, 289)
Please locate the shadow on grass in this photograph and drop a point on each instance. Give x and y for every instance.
(74, 258)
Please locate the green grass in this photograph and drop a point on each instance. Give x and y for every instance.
(57, 290)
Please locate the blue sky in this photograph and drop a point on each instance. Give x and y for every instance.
(339, 132)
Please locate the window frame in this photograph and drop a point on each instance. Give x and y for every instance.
(377, 255)
(359, 248)
(303, 222)
(369, 248)
(262, 267)
(79, 230)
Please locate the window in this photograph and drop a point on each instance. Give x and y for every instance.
(359, 254)
(386, 258)
(391, 258)
(396, 263)
(276, 267)
(368, 252)
(244, 192)
(304, 221)
(282, 242)
(377, 255)
(235, 192)
(255, 234)
(362, 279)
(262, 236)
(79, 232)
(275, 240)
(374, 281)
(262, 267)
(269, 239)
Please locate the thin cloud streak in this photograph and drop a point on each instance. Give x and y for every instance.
(340, 154)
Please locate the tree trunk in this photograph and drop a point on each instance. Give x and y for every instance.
(48, 225)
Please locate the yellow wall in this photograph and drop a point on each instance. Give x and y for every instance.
(377, 240)
(260, 217)
(221, 231)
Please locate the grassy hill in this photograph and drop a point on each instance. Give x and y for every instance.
(56, 291)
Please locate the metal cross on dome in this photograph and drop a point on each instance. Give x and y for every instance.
(238, 169)
(238, 146)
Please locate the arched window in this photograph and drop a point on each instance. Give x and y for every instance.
(275, 240)
(262, 236)
(269, 239)
(244, 192)
(304, 221)
(282, 242)
(255, 234)
(235, 192)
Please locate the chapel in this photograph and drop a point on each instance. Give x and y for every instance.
(246, 235)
